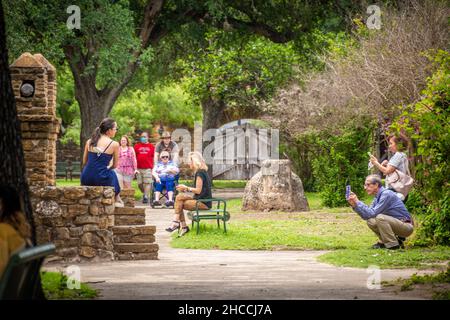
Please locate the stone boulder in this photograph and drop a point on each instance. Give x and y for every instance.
(275, 187)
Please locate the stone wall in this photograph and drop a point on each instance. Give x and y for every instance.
(127, 196)
(78, 220)
(69, 151)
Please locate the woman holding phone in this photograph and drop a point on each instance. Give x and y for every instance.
(399, 160)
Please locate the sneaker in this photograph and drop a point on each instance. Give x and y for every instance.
(156, 203)
(175, 226)
(378, 245)
(144, 199)
(401, 241)
(394, 247)
(169, 203)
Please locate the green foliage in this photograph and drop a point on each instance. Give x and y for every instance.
(415, 203)
(301, 151)
(427, 122)
(136, 109)
(341, 160)
(441, 277)
(139, 109)
(240, 70)
(55, 287)
(107, 29)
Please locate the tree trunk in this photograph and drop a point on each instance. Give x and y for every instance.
(12, 166)
(95, 105)
(213, 118)
(93, 109)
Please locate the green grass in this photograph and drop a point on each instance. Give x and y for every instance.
(421, 258)
(222, 184)
(298, 234)
(441, 278)
(64, 183)
(54, 285)
(337, 229)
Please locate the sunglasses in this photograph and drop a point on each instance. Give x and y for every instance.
(165, 157)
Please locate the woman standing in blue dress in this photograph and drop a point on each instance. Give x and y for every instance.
(99, 150)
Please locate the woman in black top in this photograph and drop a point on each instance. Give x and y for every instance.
(201, 190)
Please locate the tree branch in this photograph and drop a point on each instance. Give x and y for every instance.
(262, 29)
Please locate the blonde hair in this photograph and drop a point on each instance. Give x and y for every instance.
(126, 138)
(197, 161)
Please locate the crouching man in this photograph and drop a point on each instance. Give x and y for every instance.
(387, 216)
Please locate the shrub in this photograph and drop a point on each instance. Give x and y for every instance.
(342, 160)
(427, 122)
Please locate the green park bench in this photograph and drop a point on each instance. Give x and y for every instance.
(68, 169)
(21, 276)
(215, 213)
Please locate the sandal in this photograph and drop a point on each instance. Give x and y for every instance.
(175, 226)
(184, 230)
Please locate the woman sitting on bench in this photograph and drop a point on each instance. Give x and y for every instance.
(201, 190)
(15, 232)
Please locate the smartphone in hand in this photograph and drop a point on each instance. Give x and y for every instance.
(347, 191)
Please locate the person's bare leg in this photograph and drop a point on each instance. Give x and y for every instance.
(147, 190)
(118, 198)
(182, 220)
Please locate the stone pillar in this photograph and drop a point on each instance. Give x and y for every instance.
(34, 84)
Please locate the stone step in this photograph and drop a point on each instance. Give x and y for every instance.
(124, 248)
(129, 202)
(128, 192)
(137, 256)
(133, 230)
(140, 238)
(134, 234)
(129, 211)
(127, 196)
(126, 219)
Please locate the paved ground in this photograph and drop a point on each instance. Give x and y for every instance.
(216, 274)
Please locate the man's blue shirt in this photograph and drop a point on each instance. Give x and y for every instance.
(386, 202)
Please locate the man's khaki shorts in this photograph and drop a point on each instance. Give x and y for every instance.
(144, 176)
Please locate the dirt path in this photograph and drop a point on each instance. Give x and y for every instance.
(231, 274)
